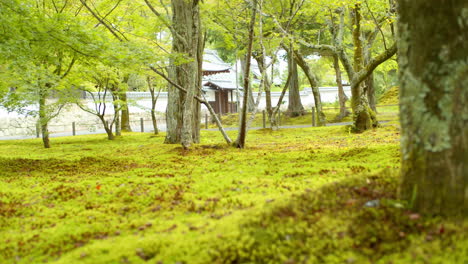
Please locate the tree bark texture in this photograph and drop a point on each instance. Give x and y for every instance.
(364, 118)
(369, 88)
(125, 113)
(313, 81)
(341, 94)
(433, 52)
(240, 142)
(182, 107)
(43, 120)
(260, 58)
(154, 100)
(295, 107)
(251, 102)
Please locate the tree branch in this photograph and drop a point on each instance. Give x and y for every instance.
(167, 24)
(370, 67)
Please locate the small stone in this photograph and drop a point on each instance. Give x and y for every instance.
(373, 203)
(414, 216)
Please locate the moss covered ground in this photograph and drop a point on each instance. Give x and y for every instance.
(309, 195)
(390, 97)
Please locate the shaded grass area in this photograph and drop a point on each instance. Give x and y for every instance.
(294, 196)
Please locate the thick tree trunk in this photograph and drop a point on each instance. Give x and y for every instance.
(125, 113)
(43, 120)
(173, 111)
(183, 110)
(364, 118)
(434, 105)
(295, 107)
(341, 94)
(314, 86)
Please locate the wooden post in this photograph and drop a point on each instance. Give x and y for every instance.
(73, 129)
(142, 125)
(314, 122)
(38, 130)
(264, 119)
(206, 121)
(279, 117)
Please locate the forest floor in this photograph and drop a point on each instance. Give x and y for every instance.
(306, 195)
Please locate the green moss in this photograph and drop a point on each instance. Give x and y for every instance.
(90, 200)
(390, 97)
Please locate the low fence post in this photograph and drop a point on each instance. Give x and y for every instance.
(279, 118)
(206, 121)
(264, 119)
(38, 130)
(73, 129)
(142, 125)
(314, 122)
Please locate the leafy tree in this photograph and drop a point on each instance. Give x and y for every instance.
(47, 43)
(103, 87)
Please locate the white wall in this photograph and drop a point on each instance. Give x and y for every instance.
(12, 124)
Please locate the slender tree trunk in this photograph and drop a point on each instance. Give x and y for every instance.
(314, 86)
(341, 94)
(154, 99)
(240, 142)
(369, 87)
(117, 108)
(364, 117)
(295, 107)
(107, 128)
(251, 102)
(267, 85)
(43, 120)
(434, 105)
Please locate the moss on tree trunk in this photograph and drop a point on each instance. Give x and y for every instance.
(434, 105)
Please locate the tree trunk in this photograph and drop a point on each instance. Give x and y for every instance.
(364, 118)
(260, 58)
(341, 94)
(240, 142)
(182, 107)
(107, 128)
(295, 107)
(117, 108)
(154, 100)
(250, 102)
(125, 113)
(314, 86)
(434, 106)
(369, 87)
(43, 120)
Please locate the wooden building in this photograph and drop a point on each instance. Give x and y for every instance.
(219, 83)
